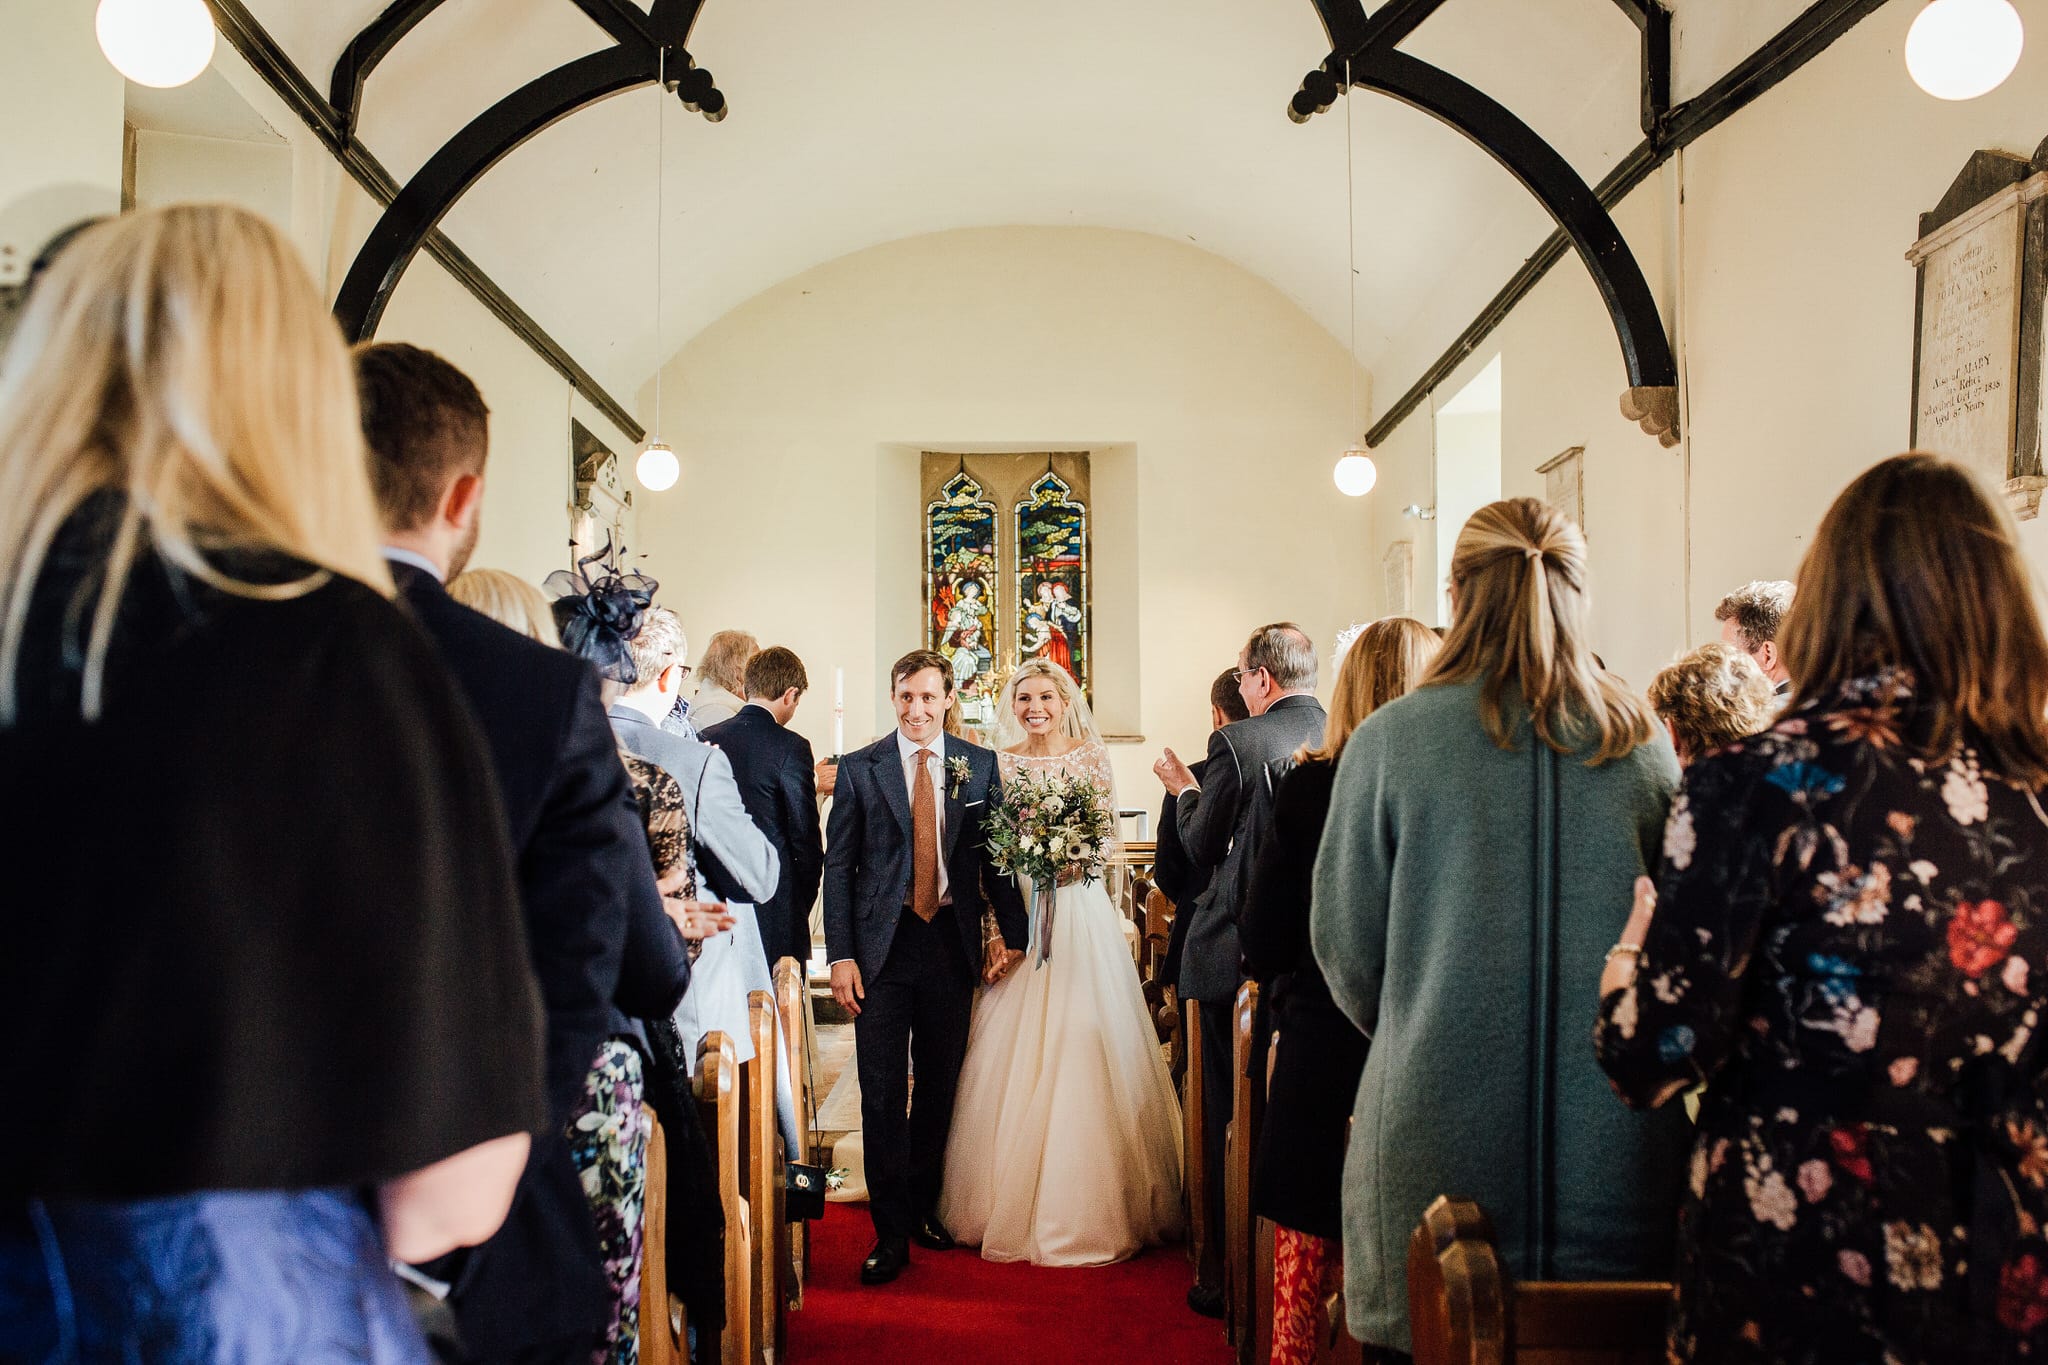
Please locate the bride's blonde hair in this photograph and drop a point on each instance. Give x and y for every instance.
(183, 358)
(1074, 721)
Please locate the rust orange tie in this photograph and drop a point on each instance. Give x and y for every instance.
(924, 841)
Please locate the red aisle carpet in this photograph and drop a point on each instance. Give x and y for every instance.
(953, 1307)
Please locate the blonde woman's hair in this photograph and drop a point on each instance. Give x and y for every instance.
(1915, 568)
(1519, 575)
(509, 600)
(1711, 698)
(181, 357)
(1386, 660)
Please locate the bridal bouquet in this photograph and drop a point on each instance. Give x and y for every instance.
(1056, 829)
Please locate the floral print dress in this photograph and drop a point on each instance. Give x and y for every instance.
(609, 1132)
(1849, 948)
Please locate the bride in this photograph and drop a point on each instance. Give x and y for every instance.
(1065, 1147)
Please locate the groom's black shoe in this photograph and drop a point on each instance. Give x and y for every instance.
(1206, 1301)
(885, 1262)
(931, 1234)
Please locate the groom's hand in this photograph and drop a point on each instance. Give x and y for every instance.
(846, 986)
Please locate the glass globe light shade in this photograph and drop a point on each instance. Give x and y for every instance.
(1356, 473)
(657, 468)
(1960, 49)
(160, 43)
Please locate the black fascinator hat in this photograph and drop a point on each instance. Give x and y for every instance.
(598, 609)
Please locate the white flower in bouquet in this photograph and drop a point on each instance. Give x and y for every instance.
(1053, 805)
(1057, 845)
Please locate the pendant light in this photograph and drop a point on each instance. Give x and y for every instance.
(1355, 472)
(1960, 49)
(657, 468)
(159, 43)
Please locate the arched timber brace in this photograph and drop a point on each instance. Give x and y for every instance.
(1365, 48)
(643, 44)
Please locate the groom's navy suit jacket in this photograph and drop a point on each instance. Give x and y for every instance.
(868, 854)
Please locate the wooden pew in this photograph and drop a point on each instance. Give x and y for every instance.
(1464, 1310)
(720, 1088)
(659, 1343)
(799, 1026)
(1195, 1181)
(1158, 926)
(768, 1263)
(1247, 1270)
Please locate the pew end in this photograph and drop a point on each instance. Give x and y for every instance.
(1463, 1308)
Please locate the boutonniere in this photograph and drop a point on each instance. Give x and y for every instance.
(959, 771)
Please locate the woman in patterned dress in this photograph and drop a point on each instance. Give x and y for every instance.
(1847, 941)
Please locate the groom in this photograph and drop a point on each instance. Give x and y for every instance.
(906, 880)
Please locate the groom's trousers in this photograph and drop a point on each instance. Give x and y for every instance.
(915, 1017)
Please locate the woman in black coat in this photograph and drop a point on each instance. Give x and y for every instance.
(1299, 1165)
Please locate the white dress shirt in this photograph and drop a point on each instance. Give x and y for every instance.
(908, 748)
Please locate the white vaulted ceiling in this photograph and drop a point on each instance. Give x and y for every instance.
(853, 124)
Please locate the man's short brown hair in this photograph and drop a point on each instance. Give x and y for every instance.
(1224, 696)
(725, 659)
(1757, 609)
(426, 426)
(774, 671)
(916, 662)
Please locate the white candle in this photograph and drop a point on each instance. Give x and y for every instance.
(838, 711)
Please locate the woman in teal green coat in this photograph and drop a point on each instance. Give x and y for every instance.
(1484, 838)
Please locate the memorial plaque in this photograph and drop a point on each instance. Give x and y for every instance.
(1977, 390)
(1564, 483)
(1397, 576)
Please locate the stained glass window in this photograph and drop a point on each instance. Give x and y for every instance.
(1052, 577)
(960, 593)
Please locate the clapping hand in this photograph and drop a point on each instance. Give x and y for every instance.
(827, 774)
(1173, 774)
(698, 920)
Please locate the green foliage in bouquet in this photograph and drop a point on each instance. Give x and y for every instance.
(1052, 827)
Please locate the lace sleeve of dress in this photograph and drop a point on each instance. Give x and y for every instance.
(1091, 761)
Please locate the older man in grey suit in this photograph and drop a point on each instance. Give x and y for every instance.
(1276, 676)
(719, 822)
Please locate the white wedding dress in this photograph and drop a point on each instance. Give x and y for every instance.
(1066, 1141)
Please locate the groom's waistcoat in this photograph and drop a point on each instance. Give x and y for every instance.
(868, 849)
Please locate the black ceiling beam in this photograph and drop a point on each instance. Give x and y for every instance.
(1653, 21)
(352, 69)
(1791, 48)
(647, 47)
(462, 161)
(249, 38)
(624, 22)
(1372, 62)
(1571, 203)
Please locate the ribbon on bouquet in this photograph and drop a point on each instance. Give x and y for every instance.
(1045, 899)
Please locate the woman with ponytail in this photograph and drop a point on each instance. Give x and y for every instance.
(1485, 832)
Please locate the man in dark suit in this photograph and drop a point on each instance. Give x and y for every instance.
(778, 784)
(906, 881)
(537, 1290)
(1173, 870)
(1276, 677)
